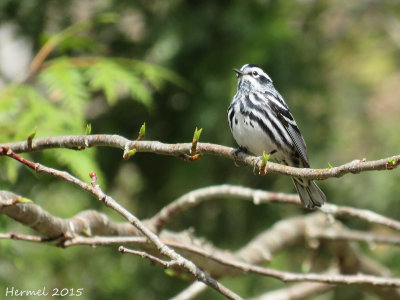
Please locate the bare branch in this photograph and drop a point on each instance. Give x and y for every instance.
(314, 277)
(110, 202)
(231, 260)
(89, 222)
(303, 290)
(296, 277)
(352, 261)
(282, 235)
(298, 291)
(192, 291)
(353, 235)
(163, 217)
(162, 248)
(178, 150)
(296, 230)
(359, 279)
(198, 196)
(165, 264)
(364, 214)
(106, 240)
(23, 237)
(68, 232)
(259, 197)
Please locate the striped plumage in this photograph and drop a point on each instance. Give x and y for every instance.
(260, 120)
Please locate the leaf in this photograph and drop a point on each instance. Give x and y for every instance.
(140, 91)
(116, 81)
(32, 110)
(57, 105)
(72, 31)
(65, 84)
(156, 74)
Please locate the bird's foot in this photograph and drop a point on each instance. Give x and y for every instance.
(255, 167)
(235, 154)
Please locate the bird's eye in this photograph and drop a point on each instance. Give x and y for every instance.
(255, 73)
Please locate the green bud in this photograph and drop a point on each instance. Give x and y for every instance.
(197, 133)
(142, 132)
(265, 158)
(88, 130)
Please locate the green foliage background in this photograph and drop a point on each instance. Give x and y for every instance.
(117, 64)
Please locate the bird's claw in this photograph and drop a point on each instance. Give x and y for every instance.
(255, 167)
(236, 153)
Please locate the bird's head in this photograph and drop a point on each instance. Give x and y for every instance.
(251, 77)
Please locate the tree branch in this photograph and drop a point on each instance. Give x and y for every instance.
(154, 259)
(89, 222)
(331, 278)
(23, 237)
(354, 235)
(244, 253)
(303, 290)
(296, 277)
(310, 221)
(82, 141)
(193, 290)
(364, 214)
(110, 202)
(224, 191)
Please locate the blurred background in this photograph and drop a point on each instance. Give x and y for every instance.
(118, 64)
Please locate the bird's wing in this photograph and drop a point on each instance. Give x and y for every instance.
(282, 112)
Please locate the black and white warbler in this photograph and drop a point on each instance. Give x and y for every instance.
(260, 120)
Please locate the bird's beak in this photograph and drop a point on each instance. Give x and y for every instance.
(238, 72)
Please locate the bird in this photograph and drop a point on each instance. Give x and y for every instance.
(261, 122)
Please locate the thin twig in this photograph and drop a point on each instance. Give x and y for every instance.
(281, 275)
(23, 237)
(106, 240)
(313, 277)
(152, 258)
(354, 235)
(177, 150)
(295, 277)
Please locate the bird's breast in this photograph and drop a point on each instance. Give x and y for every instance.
(249, 134)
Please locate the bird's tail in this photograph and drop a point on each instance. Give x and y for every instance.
(310, 194)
